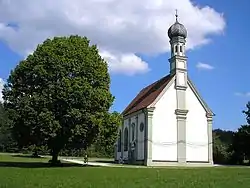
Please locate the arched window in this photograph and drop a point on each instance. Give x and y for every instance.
(141, 127)
(133, 131)
(176, 49)
(120, 141)
(126, 139)
(180, 48)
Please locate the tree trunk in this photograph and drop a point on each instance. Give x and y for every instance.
(55, 160)
(54, 157)
(35, 154)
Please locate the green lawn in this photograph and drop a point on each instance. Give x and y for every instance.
(23, 172)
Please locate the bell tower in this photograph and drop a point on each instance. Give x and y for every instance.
(178, 61)
(178, 67)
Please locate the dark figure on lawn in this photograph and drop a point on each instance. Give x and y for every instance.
(86, 159)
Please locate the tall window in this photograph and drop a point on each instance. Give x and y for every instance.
(120, 141)
(176, 49)
(126, 139)
(133, 131)
(180, 48)
(141, 127)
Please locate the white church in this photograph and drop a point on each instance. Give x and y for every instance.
(168, 122)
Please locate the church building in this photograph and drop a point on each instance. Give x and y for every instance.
(168, 122)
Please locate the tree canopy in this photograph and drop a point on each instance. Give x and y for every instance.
(59, 95)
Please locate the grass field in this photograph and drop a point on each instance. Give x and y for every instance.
(25, 172)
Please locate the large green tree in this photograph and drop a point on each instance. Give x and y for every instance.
(3, 128)
(59, 95)
(6, 141)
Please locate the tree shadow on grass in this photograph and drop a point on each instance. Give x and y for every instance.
(104, 161)
(113, 162)
(27, 156)
(36, 164)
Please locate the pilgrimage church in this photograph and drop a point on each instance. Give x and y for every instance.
(168, 122)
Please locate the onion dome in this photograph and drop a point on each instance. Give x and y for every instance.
(177, 30)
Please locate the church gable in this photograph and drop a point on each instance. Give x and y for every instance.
(202, 102)
(147, 95)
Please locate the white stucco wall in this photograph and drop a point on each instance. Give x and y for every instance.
(164, 132)
(196, 129)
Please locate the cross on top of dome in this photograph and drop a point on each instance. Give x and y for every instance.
(177, 29)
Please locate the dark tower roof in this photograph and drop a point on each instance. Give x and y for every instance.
(177, 30)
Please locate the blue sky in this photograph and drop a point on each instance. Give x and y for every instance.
(138, 54)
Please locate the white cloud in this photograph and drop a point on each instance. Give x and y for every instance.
(241, 94)
(122, 28)
(204, 66)
(1, 89)
(128, 64)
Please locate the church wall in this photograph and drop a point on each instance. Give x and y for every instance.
(133, 121)
(196, 129)
(141, 136)
(125, 125)
(118, 154)
(164, 138)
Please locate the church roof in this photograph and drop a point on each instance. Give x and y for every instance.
(147, 95)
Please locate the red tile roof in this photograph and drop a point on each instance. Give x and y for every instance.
(147, 95)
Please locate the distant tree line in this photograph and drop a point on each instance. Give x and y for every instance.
(232, 147)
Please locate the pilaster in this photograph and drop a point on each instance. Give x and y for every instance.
(210, 137)
(136, 138)
(149, 136)
(122, 139)
(129, 140)
(181, 111)
(181, 135)
(115, 150)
